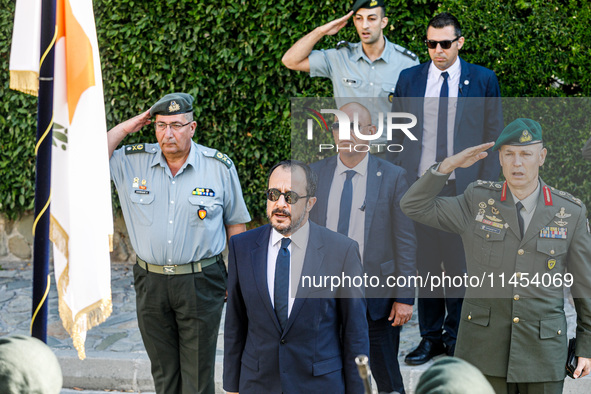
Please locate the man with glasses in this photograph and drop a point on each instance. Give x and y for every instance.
(181, 201)
(459, 107)
(281, 335)
(359, 196)
(366, 70)
(531, 241)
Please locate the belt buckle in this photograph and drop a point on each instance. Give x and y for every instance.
(169, 269)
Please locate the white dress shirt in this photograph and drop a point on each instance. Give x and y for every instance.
(297, 251)
(431, 110)
(357, 219)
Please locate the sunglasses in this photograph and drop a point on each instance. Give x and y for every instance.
(445, 44)
(290, 197)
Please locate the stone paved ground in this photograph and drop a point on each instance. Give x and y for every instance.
(116, 358)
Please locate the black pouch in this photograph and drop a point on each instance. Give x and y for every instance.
(571, 359)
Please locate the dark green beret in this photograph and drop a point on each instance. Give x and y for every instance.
(367, 4)
(451, 375)
(27, 365)
(173, 104)
(521, 131)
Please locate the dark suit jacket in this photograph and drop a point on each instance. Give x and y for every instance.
(316, 351)
(477, 121)
(390, 243)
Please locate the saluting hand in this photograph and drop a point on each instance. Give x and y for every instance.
(465, 158)
(333, 27)
(135, 124)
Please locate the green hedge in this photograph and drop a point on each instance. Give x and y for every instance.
(228, 55)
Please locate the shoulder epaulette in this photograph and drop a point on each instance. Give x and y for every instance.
(489, 184)
(343, 44)
(135, 148)
(218, 156)
(566, 196)
(406, 52)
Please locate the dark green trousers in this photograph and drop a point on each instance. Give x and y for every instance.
(179, 318)
(501, 386)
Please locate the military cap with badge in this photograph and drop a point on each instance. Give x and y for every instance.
(173, 104)
(521, 131)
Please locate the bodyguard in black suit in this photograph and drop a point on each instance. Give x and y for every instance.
(384, 233)
(458, 106)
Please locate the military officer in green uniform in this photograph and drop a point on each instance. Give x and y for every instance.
(523, 240)
(181, 201)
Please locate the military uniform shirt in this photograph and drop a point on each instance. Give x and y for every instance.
(353, 75)
(176, 220)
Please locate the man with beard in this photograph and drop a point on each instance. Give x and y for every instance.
(365, 71)
(280, 338)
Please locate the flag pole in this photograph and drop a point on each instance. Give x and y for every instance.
(43, 172)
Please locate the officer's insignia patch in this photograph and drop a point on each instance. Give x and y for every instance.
(174, 106)
(136, 181)
(491, 201)
(493, 218)
(525, 136)
(391, 97)
(553, 232)
(373, 3)
(551, 263)
(202, 213)
(561, 223)
(136, 148)
(203, 191)
(143, 186)
(494, 210)
(482, 205)
(224, 159)
(342, 44)
(562, 214)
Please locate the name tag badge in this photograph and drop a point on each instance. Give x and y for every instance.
(490, 229)
(350, 81)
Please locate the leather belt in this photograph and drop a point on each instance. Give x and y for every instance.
(182, 269)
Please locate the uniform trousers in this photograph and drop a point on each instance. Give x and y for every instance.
(501, 386)
(437, 247)
(179, 318)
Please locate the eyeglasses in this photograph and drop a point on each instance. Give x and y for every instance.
(335, 126)
(290, 197)
(161, 126)
(445, 44)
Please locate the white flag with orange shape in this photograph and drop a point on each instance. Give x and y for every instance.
(81, 224)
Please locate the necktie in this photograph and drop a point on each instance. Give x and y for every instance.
(346, 201)
(281, 293)
(519, 206)
(442, 120)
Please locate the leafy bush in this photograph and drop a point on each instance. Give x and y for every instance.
(228, 55)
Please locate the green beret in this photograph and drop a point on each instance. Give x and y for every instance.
(451, 375)
(367, 4)
(27, 365)
(173, 104)
(521, 131)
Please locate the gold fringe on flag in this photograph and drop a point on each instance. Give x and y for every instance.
(25, 81)
(87, 318)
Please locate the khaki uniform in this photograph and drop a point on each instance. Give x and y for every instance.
(516, 331)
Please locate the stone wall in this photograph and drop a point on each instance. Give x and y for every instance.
(16, 240)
